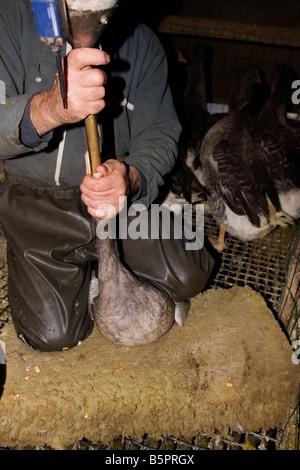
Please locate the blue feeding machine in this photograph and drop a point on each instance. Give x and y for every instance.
(51, 21)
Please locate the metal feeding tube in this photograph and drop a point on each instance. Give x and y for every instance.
(85, 26)
(50, 18)
(81, 23)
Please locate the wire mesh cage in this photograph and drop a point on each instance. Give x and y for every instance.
(230, 47)
(289, 303)
(260, 264)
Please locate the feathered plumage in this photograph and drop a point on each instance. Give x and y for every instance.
(183, 187)
(281, 141)
(128, 310)
(236, 172)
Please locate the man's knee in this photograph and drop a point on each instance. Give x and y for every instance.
(49, 338)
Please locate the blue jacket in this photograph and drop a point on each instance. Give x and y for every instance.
(145, 124)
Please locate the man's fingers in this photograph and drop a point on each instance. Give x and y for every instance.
(80, 58)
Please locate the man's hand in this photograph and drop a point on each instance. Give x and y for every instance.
(85, 92)
(105, 196)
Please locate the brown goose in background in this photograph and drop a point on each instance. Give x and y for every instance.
(242, 85)
(129, 310)
(243, 198)
(185, 183)
(281, 141)
(197, 118)
(182, 186)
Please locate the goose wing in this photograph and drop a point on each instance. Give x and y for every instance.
(240, 175)
(278, 145)
(280, 142)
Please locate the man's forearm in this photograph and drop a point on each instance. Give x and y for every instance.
(44, 113)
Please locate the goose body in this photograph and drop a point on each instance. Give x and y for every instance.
(281, 141)
(242, 195)
(129, 310)
(184, 187)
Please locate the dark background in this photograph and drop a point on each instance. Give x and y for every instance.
(228, 55)
(272, 12)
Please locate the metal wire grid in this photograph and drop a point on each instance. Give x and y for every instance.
(263, 440)
(228, 56)
(234, 440)
(4, 306)
(289, 303)
(260, 264)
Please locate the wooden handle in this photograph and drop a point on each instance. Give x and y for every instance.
(92, 135)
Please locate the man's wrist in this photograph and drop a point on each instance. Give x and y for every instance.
(28, 134)
(41, 113)
(134, 179)
(139, 189)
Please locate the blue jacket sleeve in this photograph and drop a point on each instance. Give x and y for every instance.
(12, 75)
(28, 134)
